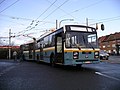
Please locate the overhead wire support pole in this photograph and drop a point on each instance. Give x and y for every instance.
(9, 44)
(56, 24)
(86, 21)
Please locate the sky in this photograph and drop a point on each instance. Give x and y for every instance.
(35, 17)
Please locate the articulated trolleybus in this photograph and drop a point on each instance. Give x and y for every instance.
(68, 45)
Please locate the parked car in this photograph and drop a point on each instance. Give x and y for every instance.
(104, 55)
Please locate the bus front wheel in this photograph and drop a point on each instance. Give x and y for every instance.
(79, 65)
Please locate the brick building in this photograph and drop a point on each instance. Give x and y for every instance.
(4, 51)
(110, 43)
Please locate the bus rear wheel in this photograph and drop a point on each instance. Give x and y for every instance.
(52, 61)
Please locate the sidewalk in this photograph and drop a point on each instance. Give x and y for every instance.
(113, 59)
(9, 60)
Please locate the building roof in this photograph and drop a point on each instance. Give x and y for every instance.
(111, 37)
(10, 47)
(101, 39)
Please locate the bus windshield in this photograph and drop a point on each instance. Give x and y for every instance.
(81, 40)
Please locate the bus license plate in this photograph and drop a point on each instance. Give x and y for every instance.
(87, 62)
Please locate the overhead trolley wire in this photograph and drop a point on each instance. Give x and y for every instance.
(22, 18)
(47, 9)
(46, 16)
(93, 4)
(13, 22)
(90, 5)
(63, 10)
(106, 20)
(17, 18)
(9, 6)
(37, 21)
(2, 1)
(43, 13)
(111, 18)
(55, 9)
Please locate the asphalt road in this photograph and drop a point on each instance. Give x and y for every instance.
(33, 76)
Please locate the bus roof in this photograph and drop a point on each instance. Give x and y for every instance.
(73, 26)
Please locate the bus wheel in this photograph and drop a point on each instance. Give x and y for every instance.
(79, 65)
(52, 61)
(38, 62)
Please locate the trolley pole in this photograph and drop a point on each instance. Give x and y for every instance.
(9, 44)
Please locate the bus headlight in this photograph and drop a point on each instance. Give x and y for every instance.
(96, 54)
(75, 55)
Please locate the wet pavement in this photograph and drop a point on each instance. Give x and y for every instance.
(33, 76)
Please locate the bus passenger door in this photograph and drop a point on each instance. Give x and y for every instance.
(59, 48)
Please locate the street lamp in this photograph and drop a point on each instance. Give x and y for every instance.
(65, 20)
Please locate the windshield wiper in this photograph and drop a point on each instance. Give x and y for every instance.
(91, 46)
(78, 46)
(88, 43)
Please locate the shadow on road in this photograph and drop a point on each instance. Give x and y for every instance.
(75, 68)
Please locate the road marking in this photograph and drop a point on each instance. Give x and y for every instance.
(7, 69)
(107, 76)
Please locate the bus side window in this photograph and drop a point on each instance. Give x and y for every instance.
(38, 45)
(59, 44)
(74, 41)
(41, 44)
(50, 41)
(68, 40)
(53, 40)
(46, 41)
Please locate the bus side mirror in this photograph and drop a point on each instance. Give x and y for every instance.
(102, 27)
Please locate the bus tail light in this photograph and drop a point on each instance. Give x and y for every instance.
(75, 55)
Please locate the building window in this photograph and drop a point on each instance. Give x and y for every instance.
(114, 51)
(108, 45)
(113, 41)
(113, 45)
(118, 41)
(109, 51)
(103, 46)
(99, 46)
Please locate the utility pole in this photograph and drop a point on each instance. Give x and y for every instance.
(9, 44)
(86, 21)
(56, 24)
